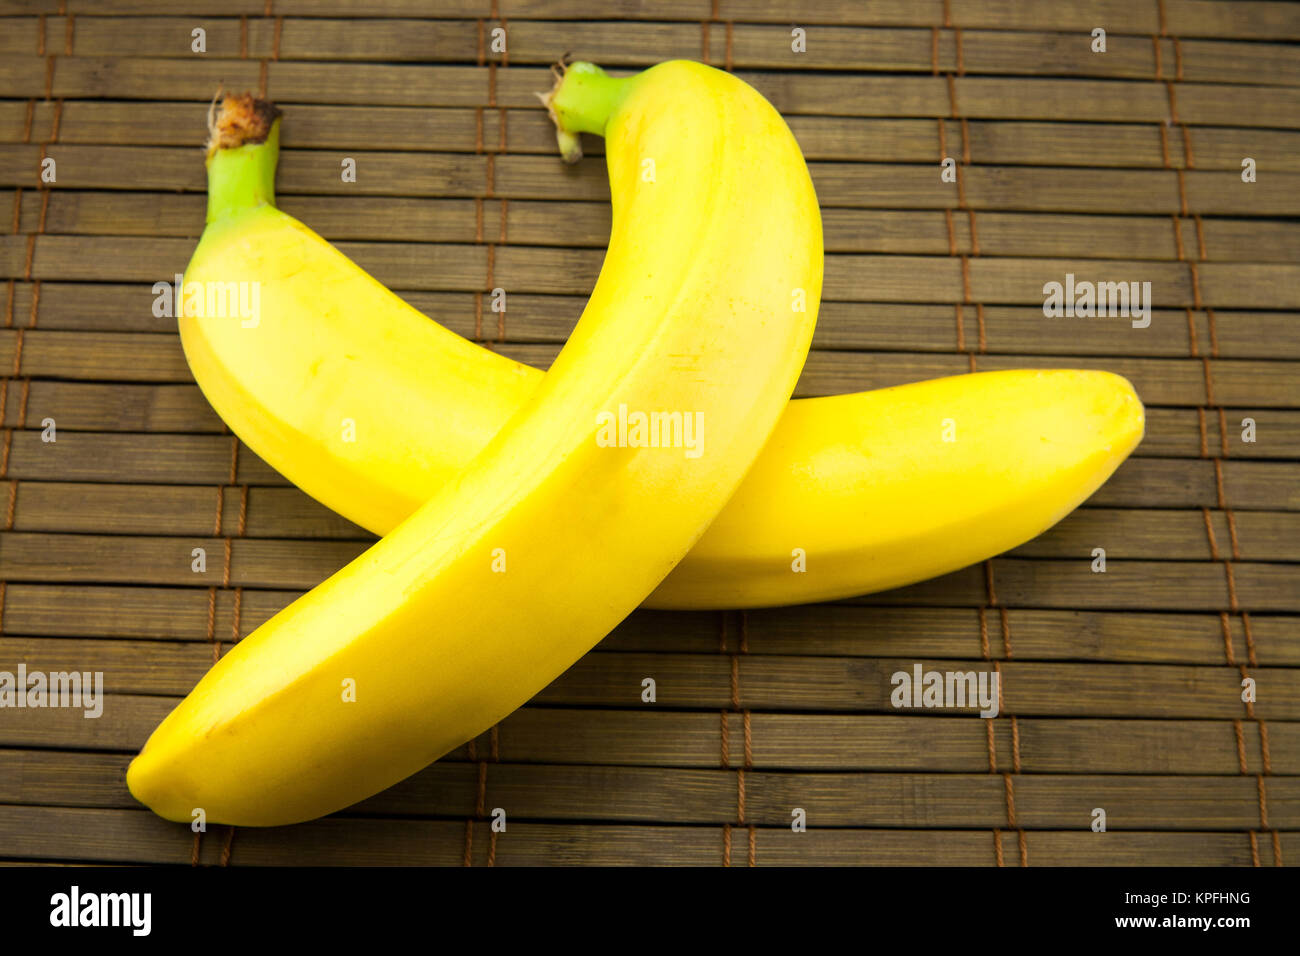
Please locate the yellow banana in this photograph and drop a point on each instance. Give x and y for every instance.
(901, 484)
(371, 408)
(553, 533)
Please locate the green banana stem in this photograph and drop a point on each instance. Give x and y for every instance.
(242, 154)
(582, 101)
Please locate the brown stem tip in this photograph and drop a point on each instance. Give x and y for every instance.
(240, 120)
(569, 143)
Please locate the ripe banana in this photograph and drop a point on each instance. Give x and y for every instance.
(859, 490)
(549, 537)
(898, 485)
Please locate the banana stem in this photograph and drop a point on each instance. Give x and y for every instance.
(582, 100)
(242, 154)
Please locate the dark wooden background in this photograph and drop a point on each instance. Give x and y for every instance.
(1120, 690)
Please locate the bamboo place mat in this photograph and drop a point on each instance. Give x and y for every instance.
(1121, 690)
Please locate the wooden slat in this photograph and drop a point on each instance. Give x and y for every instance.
(842, 742)
(956, 632)
(543, 178)
(184, 509)
(587, 224)
(181, 614)
(765, 683)
(1057, 142)
(1258, 20)
(875, 278)
(979, 97)
(137, 836)
(1128, 585)
(656, 795)
(640, 44)
(845, 800)
(99, 836)
(133, 611)
(89, 456)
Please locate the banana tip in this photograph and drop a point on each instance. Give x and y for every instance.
(1123, 406)
(147, 784)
